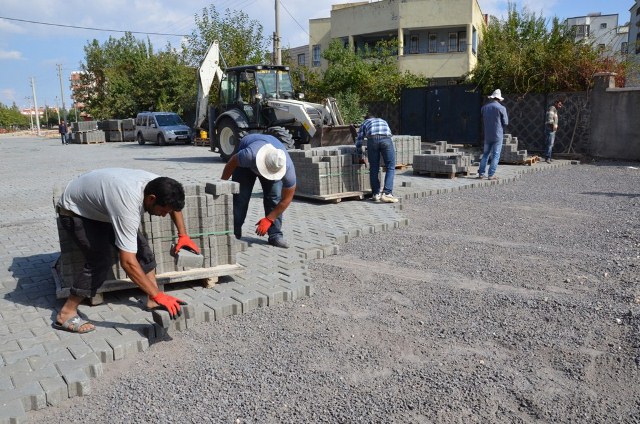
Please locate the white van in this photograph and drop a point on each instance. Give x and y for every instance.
(162, 128)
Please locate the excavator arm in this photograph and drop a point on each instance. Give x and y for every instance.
(207, 72)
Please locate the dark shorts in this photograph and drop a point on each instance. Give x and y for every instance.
(96, 240)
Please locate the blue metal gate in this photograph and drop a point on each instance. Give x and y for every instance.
(450, 113)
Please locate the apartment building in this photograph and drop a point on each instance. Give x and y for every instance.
(633, 79)
(437, 38)
(602, 32)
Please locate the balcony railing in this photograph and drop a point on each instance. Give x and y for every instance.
(462, 47)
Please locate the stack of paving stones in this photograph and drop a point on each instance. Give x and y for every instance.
(323, 171)
(87, 132)
(407, 146)
(117, 130)
(510, 153)
(128, 129)
(442, 159)
(208, 218)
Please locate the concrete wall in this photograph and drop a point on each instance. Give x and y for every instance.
(615, 127)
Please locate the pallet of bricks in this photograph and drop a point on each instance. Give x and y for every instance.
(87, 132)
(407, 146)
(208, 216)
(511, 155)
(440, 160)
(117, 130)
(329, 173)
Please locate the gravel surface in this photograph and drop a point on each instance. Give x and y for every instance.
(511, 303)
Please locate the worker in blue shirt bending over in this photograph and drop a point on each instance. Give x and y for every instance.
(379, 142)
(264, 157)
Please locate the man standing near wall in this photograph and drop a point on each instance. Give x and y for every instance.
(494, 119)
(551, 127)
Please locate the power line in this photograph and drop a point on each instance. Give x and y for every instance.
(91, 28)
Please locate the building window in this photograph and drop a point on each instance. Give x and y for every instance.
(624, 47)
(301, 59)
(453, 41)
(581, 30)
(603, 25)
(462, 41)
(316, 56)
(433, 43)
(414, 45)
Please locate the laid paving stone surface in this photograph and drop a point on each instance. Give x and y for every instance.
(40, 366)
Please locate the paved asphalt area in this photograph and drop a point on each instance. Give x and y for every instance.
(40, 366)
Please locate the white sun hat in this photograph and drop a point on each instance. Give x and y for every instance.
(271, 162)
(496, 95)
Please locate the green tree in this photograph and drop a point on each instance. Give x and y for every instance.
(241, 39)
(11, 118)
(356, 79)
(523, 54)
(124, 76)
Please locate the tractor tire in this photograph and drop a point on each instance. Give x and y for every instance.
(140, 139)
(161, 140)
(228, 136)
(282, 134)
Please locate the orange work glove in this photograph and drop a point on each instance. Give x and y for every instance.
(263, 226)
(170, 303)
(185, 241)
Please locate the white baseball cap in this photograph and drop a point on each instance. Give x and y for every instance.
(271, 162)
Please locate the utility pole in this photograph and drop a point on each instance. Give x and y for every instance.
(30, 114)
(35, 104)
(58, 110)
(277, 53)
(64, 109)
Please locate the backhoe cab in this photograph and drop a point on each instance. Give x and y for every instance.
(261, 99)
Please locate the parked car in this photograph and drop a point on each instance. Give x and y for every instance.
(162, 128)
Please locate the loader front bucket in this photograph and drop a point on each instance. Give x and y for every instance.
(334, 135)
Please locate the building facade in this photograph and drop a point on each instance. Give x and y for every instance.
(436, 38)
(602, 32)
(633, 79)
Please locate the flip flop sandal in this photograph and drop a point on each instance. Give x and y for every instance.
(73, 325)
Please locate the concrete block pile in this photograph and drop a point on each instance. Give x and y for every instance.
(208, 216)
(87, 132)
(118, 129)
(510, 152)
(442, 159)
(407, 146)
(323, 171)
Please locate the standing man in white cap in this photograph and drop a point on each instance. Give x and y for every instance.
(264, 157)
(495, 119)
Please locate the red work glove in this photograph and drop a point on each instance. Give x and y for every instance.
(185, 241)
(170, 303)
(263, 226)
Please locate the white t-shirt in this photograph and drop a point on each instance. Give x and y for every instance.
(112, 195)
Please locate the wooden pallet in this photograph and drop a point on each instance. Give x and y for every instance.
(205, 276)
(333, 198)
(449, 175)
(201, 142)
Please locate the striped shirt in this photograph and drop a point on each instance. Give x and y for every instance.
(371, 127)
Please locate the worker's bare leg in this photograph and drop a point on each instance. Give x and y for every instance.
(70, 310)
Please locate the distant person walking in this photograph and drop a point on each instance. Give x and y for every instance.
(551, 127)
(379, 142)
(494, 119)
(62, 129)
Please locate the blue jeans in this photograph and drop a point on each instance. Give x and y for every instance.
(493, 149)
(271, 195)
(551, 138)
(63, 137)
(377, 146)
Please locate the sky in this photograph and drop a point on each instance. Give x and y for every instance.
(37, 51)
